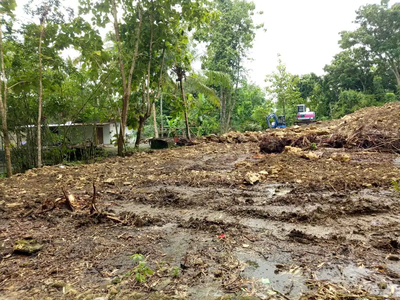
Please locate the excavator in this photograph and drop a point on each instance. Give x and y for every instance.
(304, 116)
(279, 122)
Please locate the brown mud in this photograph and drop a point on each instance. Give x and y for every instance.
(212, 221)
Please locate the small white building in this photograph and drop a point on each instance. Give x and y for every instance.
(105, 134)
(98, 133)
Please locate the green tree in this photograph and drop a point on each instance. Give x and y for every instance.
(283, 88)
(350, 101)
(6, 8)
(103, 12)
(251, 109)
(164, 29)
(228, 42)
(45, 11)
(201, 89)
(169, 49)
(379, 32)
(351, 69)
(307, 84)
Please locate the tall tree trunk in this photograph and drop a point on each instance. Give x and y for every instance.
(3, 110)
(161, 116)
(229, 106)
(121, 135)
(149, 102)
(158, 95)
(155, 120)
(230, 112)
(3, 113)
(139, 131)
(126, 85)
(233, 97)
(185, 110)
(223, 111)
(125, 96)
(396, 74)
(156, 135)
(120, 141)
(39, 122)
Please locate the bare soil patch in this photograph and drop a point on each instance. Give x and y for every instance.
(217, 220)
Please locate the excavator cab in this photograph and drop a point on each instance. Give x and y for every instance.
(304, 115)
(279, 122)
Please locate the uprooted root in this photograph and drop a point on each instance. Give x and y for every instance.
(273, 144)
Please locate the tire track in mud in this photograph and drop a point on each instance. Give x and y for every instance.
(277, 221)
(353, 235)
(274, 207)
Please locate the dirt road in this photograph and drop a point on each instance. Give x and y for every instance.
(212, 221)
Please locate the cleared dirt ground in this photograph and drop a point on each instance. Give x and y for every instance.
(203, 229)
(214, 220)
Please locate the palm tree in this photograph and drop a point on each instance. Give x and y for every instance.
(199, 83)
(181, 74)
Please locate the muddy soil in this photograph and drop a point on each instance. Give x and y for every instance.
(212, 221)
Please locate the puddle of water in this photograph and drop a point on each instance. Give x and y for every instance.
(266, 272)
(349, 273)
(293, 283)
(353, 275)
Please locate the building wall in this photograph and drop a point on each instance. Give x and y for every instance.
(107, 134)
(79, 134)
(110, 131)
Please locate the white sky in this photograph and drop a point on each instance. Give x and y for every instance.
(304, 32)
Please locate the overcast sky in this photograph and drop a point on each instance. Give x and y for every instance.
(304, 32)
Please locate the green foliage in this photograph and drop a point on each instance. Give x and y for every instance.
(260, 114)
(313, 146)
(89, 88)
(176, 272)
(251, 109)
(396, 185)
(366, 72)
(232, 35)
(390, 97)
(379, 32)
(142, 270)
(175, 125)
(7, 7)
(350, 101)
(228, 42)
(351, 69)
(283, 88)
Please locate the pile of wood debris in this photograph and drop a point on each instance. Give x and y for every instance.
(375, 128)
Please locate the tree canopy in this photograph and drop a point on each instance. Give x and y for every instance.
(144, 67)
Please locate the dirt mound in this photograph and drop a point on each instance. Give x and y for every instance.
(376, 128)
(211, 217)
(371, 127)
(233, 137)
